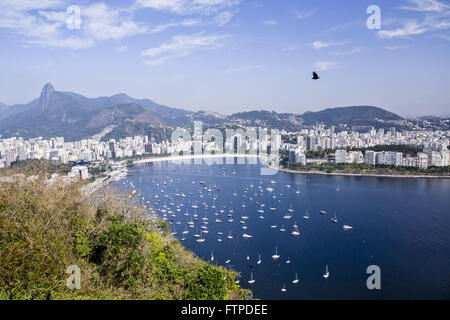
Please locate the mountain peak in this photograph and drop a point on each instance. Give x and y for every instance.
(46, 92)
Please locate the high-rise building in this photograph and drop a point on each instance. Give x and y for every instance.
(422, 159)
(148, 148)
(370, 157)
(340, 156)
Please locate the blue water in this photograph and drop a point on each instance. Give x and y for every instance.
(401, 225)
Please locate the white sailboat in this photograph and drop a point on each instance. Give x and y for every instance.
(334, 219)
(296, 279)
(276, 255)
(259, 259)
(346, 227)
(212, 256)
(230, 236)
(200, 240)
(283, 289)
(306, 216)
(327, 274)
(287, 216)
(251, 281)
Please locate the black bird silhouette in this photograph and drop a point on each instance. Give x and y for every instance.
(315, 76)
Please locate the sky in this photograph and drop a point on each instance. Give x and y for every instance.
(232, 55)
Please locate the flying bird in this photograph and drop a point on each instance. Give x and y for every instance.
(315, 76)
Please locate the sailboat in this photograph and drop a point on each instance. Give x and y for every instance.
(248, 257)
(283, 289)
(276, 255)
(201, 238)
(287, 216)
(347, 227)
(306, 216)
(259, 259)
(295, 232)
(290, 209)
(230, 236)
(334, 219)
(327, 274)
(251, 281)
(212, 256)
(296, 279)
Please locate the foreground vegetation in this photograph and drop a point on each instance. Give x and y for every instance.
(31, 167)
(122, 254)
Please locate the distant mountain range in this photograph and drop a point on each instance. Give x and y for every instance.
(75, 117)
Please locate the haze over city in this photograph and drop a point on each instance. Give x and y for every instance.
(231, 55)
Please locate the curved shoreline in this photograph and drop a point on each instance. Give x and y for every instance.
(378, 175)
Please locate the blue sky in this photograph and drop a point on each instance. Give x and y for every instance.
(231, 55)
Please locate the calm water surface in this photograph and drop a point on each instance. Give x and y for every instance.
(401, 225)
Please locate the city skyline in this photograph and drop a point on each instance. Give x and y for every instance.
(230, 55)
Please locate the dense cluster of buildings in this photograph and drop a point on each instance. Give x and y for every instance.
(422, 160)
(434, 144)
(88, 150)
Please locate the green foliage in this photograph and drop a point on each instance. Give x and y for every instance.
(44, 228)
(206, 283)
(37, 167)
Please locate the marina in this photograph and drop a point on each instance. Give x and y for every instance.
(297, 236)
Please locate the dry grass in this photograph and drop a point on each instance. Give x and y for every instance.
(44, 228)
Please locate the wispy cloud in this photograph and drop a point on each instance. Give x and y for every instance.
(435, 18)
(185, 7)
(223, 18)
(304, 14)
(348, 52)
(325, 65)
(44, 23)
(320, 45)
(184, 23)
(413, 28)
(399, 47)
(181, 46)
(270, 22)
(347, 25)
(426, 6)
